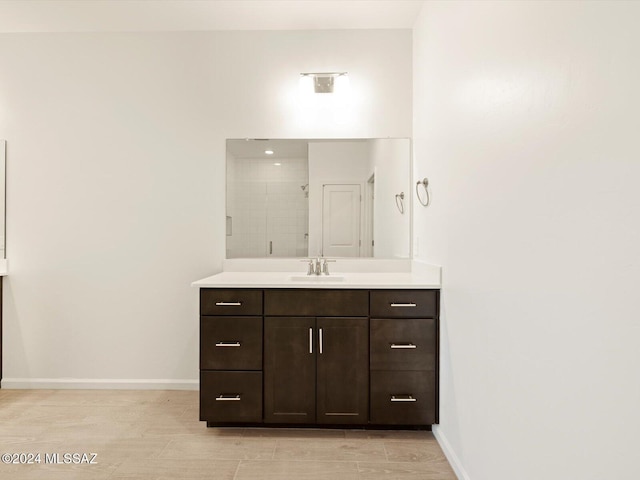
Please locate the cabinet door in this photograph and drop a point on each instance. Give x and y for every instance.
(289, 369)
(343, 370)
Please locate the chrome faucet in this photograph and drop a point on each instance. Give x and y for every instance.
(314, 266)
(318, 265)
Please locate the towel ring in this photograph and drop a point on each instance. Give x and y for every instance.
(425, 183)
(400, 204)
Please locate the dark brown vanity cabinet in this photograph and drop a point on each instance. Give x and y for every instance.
(230, 356)
(318, 356)
(316, 370)
(404, 357)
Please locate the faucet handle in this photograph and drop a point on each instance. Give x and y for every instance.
(325, 265)
(311, 270)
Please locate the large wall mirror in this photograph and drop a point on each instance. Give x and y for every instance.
(330, 197)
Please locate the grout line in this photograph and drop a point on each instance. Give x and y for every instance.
(235, 474)
(163, 448)
(386, 454)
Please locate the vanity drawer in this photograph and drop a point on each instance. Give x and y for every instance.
(230, 343)
(404, 303)
(403, 398)
(214, 301)
(231, 396)
(316, 303)
(403, 344)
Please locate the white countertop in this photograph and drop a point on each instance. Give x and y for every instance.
(422, 279)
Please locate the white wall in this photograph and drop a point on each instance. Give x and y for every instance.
(392, 176)
(231, 210)
(526, 123)
(115, 178)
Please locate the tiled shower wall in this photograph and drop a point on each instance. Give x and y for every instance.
(269, 210)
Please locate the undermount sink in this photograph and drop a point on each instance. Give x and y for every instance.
(316, 278)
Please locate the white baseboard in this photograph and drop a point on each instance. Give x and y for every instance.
(453, 459)
(99, 384)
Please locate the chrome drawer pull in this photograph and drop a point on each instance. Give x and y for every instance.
(228, 398)
(228, 304)
(404, 398)
(403, 304)
(311, 340)
(403, 345)
(228, 344)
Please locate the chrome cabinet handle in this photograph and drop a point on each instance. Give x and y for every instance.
(403, 398)
(320, 335)
(228, 344)
(228, 304)
(311, 340)
(411, 304)
(403, 345)
(228, 398)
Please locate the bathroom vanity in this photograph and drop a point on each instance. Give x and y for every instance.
(358, 347)
(355, 350)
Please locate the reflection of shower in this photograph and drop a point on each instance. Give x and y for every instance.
(305, 189)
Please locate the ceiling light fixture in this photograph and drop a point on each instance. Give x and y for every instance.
(269, 152)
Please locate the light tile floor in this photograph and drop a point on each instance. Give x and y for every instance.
(156, 435)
